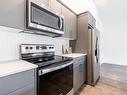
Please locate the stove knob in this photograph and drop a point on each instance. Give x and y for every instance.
(26, 48)
(31, 47)
(50, 47)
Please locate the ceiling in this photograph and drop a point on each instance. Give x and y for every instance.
(78, 6)
(109, 11)
(112, 11)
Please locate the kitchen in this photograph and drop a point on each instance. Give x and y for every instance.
(45, 32)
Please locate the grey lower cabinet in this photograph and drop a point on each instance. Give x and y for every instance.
(82, 73)
(27, 90)
(79, 72)
(23, 83)
(76, 80)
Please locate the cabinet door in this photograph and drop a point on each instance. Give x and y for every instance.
(82, 74)
(66, 14)
(12, 13)
(73, 26)
(13, 82)
(82, 63)
(47, 3)
(28, 90)
(76, 78)
(56, 7)
(70, 24)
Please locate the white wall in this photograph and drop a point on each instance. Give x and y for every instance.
(10, 39)
(114, 43)
(92, 8)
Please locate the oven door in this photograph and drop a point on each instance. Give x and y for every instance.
(41, 18)
(56, 82)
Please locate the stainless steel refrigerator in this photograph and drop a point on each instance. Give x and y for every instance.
(88, 42)
(93, 63)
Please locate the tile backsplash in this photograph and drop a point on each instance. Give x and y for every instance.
(10, 39)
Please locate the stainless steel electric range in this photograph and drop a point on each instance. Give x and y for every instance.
(54, 73)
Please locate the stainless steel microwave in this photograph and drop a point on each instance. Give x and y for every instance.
(43, 19)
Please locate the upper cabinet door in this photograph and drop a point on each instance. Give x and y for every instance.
(12, 13)
(56, 7)
(73, 28)
(47, 3)
(70, 24)
(66, 14)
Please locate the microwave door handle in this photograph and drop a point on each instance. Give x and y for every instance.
(61, 23)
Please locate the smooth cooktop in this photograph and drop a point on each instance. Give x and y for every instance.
(45, 61)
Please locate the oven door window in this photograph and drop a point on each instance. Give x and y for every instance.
(59, 82)
(43, 17)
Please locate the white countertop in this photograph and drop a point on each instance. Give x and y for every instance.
(13, 67)
(74, 55)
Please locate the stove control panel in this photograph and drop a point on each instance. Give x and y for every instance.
(36, 48)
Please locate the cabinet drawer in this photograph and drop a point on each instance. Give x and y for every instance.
(13, 82)
(78, 61)
(81, 58)
(27, 90)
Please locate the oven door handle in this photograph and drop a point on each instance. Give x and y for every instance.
(47, 70)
